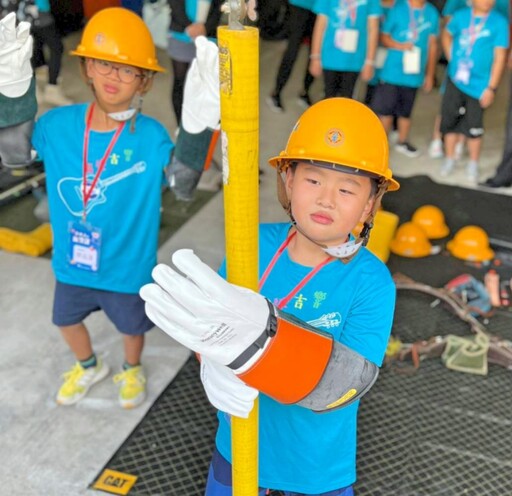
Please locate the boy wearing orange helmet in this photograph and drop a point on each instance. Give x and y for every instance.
(314, 277)
(104, 165)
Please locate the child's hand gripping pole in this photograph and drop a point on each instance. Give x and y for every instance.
(269, 350)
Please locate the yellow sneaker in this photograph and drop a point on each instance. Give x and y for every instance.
(133, 387)
(78, 380)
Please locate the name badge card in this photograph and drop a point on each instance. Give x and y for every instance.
(411, 61)
(84, 246)
(346, 40)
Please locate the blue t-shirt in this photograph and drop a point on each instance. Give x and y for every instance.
(300, 450)
(489, 32)
(407, 24)
(125, 205)
(343, 16)
(451, 6)
(304, 4)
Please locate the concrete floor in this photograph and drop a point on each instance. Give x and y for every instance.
(56, 451)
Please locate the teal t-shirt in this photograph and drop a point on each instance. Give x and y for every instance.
(475, 47)
(407, 24)
(344, 17)
(300, 450)
(125, 204)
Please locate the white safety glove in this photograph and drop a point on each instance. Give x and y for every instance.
(201, 96)
(15, 53)
(202, 311)
(225, 390)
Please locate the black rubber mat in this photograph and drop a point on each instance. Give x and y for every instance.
(425, 432)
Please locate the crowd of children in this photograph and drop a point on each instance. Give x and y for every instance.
(395, 47)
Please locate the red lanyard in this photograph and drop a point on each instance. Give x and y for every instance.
(352, 8)
(283, 302)
(413, 25)
(86, 194)
(474, 31)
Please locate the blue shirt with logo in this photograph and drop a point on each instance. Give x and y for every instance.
(125, 205)
(345, 15)
(406, 24)
(300, 450)
(474, 40)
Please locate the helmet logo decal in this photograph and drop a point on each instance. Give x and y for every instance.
(334, 137)
(99, 39)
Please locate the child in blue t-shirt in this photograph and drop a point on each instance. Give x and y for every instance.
(104, 164)
(314, 269)
(475, 43)
(410, 35)
(435, 149)
(344, 44)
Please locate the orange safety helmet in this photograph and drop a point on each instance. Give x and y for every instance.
(411, 241)
(431, 219)
(119, 35)
(471, 243)
(343, 134)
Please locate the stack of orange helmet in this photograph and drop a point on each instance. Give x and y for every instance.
(412, 238)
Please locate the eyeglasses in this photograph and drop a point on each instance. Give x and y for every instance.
(125, 73)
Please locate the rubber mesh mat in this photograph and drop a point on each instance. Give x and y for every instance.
(425, 432)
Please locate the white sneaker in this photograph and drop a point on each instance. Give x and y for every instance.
(53, 96)
(447, 167)
(435, 149)
(78, 381)
(407, 149)
(393, 137)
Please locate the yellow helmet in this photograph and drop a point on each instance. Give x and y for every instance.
(431, 219)
(343, 134)
(411, 241)
(118, 35)
(471, 243)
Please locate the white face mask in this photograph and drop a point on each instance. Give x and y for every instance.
(124, 115)
(344, 250)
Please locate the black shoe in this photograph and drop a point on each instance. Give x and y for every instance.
(274, 102)
(497, 182)
(407, 149)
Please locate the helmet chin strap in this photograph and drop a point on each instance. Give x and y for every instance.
(123, 115)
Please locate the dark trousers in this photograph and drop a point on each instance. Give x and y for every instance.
(504, 170)
(180, 70)
(300, 25)
(338, 83)
(49, 36)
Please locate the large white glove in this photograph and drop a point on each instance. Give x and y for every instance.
(15, 53)
(225, 390)
(269, 350)
(202, 311)
(201, 96)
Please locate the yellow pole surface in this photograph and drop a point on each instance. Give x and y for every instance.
(239, 92)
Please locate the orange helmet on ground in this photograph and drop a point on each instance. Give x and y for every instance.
(431, 219)
(471, 243)
(342, 134)
(119, 35)
(411, 241)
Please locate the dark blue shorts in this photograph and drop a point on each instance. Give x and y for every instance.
(391, 99)
(72, 304)
(220, 483)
